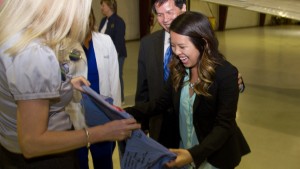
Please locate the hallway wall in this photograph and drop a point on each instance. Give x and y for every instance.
(129, 11)
(236, 17)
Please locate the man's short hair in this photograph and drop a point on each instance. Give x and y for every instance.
(178, 3)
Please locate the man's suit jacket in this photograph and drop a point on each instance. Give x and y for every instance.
(221, 142)
(116, 29)
(150, 85)
(150, 79)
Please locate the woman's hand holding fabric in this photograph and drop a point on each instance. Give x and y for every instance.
(77, 82)
(118, 130)
(183, 158)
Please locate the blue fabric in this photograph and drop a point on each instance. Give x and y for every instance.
(102, 155)
(167, 59)
(140, 151)
(82, 155)
(92, 75)
(144, 152)
(101, 152)
(93, 115)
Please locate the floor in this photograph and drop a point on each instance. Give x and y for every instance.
(269, 109)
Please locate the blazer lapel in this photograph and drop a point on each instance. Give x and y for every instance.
(176, 101)
(196, 102)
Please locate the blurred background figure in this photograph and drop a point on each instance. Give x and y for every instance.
(114, 26)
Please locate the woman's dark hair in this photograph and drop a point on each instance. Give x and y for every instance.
(91, 27)
(92, 21)
(198, 28)
(178, 3)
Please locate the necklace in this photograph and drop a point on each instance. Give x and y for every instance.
(192, 85)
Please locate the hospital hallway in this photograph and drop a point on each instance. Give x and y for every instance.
(269, 109)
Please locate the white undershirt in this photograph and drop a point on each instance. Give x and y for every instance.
(104, 27)
(166, 41)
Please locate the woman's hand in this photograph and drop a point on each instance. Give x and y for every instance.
(77, 82)
(121, 129)
(183, 158)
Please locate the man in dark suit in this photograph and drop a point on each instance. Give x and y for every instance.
(114, 26)
(150, 80)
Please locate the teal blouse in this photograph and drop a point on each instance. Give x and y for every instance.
(187, 130)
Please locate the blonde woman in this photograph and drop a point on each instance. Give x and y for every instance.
(35, 130)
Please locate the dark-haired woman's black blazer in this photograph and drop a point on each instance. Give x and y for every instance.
(221, 142)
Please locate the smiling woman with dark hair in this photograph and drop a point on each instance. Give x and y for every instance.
(203, 92)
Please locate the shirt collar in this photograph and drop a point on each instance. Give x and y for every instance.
(167, 38)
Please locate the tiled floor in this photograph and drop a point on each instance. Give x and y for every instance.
(269, 109)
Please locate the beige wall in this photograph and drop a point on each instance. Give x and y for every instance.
(96, 8)
(129, 11)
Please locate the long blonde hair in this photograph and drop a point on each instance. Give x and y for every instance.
(52, 21)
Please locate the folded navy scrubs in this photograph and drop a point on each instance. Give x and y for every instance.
(140, 150)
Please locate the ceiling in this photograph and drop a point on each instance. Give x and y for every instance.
(284, 8)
